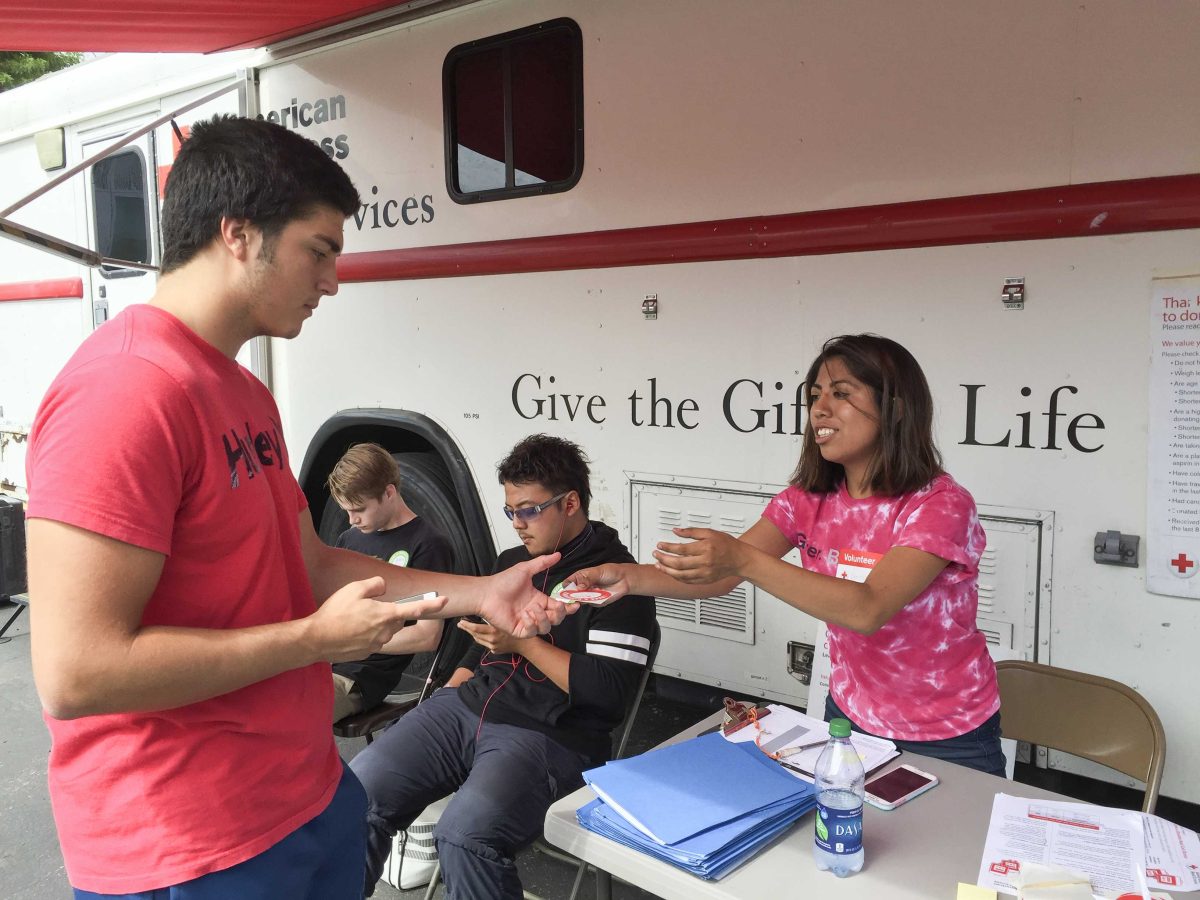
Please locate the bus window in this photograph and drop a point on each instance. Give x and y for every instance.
(514, 113)
(122, 224)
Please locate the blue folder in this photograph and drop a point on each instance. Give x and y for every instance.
(711, 855)
(679, 791)
(704, 805)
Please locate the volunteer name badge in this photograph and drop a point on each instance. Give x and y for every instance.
(856, 565)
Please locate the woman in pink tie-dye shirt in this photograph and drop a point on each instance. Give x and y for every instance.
(890, 546)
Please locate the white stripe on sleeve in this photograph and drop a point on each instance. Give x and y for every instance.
(632, 656)
(619, 637)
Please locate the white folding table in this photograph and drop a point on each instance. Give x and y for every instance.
(920, 851)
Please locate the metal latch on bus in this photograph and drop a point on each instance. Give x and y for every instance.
(1116, 549)
(800, 661)
(100, 308)
(1013, 293)
(650, 306)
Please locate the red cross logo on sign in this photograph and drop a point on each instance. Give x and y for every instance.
(1162, 877)
(1184, 567)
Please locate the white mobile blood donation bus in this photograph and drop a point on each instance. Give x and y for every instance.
(634, 224)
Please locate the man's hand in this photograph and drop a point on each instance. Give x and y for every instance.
(352, 624)
(611, 577)
(493, 639)
(513, 604)
(708, 557)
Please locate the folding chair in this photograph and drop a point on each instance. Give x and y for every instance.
(1085, 715)
(450, 649)
(620, 739)
(21, 601)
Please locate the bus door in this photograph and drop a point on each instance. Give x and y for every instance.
(122, 213)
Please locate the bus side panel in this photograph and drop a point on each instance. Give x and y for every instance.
(45, 319)
(1040, 409)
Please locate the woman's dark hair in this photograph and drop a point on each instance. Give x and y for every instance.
(553, 462)
(905, 457)
(245, 169)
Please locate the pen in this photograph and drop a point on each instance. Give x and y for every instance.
(791, 751)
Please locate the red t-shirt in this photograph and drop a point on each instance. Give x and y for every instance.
(926, 674)
(151, 436)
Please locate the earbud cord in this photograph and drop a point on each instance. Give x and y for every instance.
(514, 656)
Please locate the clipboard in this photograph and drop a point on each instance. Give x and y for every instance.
(738, 715)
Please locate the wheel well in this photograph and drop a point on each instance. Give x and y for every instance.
(399, 431)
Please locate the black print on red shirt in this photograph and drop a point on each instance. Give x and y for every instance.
(249, 451)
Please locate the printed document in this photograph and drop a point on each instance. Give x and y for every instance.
(1119, 850)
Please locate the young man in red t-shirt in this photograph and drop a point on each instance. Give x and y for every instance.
(184, 611)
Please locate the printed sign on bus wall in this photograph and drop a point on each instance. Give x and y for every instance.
(1173, 465)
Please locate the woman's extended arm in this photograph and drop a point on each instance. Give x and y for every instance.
(898, 578)
(713, 563)
(659, 580)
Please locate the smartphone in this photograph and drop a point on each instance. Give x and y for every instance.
(897, 787)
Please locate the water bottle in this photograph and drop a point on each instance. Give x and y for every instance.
(838, 782)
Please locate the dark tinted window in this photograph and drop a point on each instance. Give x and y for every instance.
(122, 225)
(514, 113)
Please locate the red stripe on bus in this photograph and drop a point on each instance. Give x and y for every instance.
(1109, 207)
(47, 289)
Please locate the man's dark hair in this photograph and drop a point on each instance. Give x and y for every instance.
(553, 462)
(245, 169)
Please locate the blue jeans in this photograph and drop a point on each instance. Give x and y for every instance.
(320, 860)
(505, 779)
(977, 749)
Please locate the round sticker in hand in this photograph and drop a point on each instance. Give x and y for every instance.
(579, 595)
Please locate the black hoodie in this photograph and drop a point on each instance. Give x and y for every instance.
(608, 647)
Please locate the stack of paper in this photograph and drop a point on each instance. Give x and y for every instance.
(704, 805)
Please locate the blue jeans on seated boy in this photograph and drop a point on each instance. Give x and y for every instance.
(978, 749)
(506, 777)
(320, 860)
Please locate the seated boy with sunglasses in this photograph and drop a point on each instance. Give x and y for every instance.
(521, 718)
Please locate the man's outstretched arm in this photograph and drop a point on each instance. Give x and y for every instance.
(507, 599)
(92, 655)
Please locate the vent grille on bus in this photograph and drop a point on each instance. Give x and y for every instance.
(730, 616)
(988, 569)
(730, 613)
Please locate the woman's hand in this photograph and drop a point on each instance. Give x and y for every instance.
(709, 556)
(610, 577)
(492, 638)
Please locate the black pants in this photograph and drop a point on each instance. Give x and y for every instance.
(978, 749)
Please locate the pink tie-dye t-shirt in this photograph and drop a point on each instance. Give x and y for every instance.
(926, 674)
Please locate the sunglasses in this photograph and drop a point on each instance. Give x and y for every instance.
(526, 513)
